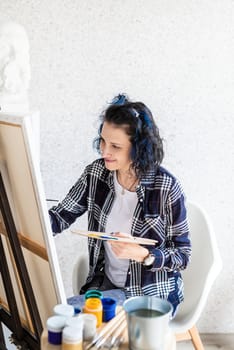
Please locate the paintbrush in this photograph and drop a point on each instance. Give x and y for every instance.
(107, 330)
(117, 336)
(109, 237)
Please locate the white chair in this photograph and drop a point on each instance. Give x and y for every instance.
(80, 272)
(198, 278)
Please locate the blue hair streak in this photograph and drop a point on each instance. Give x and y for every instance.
(119, 100)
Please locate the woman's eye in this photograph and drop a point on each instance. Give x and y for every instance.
(116, 147)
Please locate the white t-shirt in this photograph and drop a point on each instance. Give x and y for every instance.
(119, 220)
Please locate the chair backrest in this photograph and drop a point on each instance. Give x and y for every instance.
(80, 272)
(204, 267)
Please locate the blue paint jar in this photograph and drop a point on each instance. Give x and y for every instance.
(55, 325)
(109, 309)
(77, 310)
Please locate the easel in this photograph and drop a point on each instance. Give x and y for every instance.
(22, 336)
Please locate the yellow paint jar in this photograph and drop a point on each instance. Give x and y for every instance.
(94, 306)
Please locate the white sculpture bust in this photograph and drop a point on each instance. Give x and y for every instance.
(14, 68)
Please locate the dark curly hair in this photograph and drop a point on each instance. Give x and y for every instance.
(137, 120)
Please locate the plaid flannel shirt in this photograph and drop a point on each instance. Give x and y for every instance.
(160, 214)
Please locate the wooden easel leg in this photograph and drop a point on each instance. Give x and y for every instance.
(195, 337)
(8, 287)
(19, 260)
(2, 339)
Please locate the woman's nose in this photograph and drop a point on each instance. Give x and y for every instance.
(105, 151)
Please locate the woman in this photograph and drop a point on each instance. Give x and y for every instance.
(126, 191)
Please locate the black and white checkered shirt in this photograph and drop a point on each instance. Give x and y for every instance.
(160, 214)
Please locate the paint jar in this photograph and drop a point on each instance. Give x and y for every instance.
(77, 310)
(109, 308)
(72, 338)
(65, 310)
(55, 325)
(89, 326)
(93, 293)
(94, 306)
(75, 322)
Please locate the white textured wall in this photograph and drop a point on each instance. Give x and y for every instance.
(177, 57)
